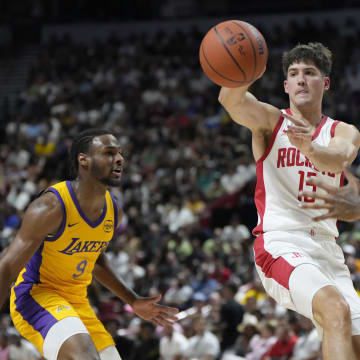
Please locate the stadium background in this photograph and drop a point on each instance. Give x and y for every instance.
(132, 66)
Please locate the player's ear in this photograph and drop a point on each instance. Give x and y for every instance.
(285, 87)
(83, 159)
(326, 83)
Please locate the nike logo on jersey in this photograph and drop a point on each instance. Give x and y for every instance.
(71, 225)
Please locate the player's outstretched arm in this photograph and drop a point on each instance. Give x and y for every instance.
(245, 109)
(43, 217)
(342, 203)
(145, 307)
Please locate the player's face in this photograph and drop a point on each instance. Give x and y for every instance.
(106, 160)
(305, 84)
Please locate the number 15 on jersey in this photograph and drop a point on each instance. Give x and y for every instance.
(302, 183)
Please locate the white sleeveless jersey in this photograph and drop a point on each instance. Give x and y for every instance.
(282, 172)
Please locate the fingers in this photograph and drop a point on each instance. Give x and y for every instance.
(156, 322)
(324, 217)
(313, 195)
(295, 121)
(167, 309)
(295, 129)
(352, 179)
(316, 206)
(322, 185)
(164, 320)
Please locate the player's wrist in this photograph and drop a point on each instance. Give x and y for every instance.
(309, 150)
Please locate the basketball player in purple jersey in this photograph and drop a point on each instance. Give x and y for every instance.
(297, 258)
(60, 247)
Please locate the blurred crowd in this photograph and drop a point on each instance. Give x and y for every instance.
(187, 188)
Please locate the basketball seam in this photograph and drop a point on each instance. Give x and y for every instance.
(252, 45)
(230, 54)
(224, 77)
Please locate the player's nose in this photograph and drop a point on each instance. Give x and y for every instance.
(301, 79)
(119, 159)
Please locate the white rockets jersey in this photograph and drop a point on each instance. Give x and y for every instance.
(282, 172)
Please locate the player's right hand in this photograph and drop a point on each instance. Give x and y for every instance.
(148, 309)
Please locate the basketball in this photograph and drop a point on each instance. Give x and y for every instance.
(233, 53)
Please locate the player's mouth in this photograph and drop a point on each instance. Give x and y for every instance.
(302, 92)
(117, 172)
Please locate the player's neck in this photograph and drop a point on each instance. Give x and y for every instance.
(312, 115)
(89, 194)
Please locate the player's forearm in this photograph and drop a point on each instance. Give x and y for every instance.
(230, 97)
(327, 158)
(104, 273)
(6, 279)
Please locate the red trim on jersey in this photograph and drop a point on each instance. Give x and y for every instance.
(319, 127)
(342, 179)
(272, 139)
(333, 126)
(277, 269)
(260, 187)
(260, 197)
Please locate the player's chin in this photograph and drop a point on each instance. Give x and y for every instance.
(115, 181)
(112, 181)
(302, 102)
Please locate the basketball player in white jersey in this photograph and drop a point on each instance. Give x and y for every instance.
(298, 260)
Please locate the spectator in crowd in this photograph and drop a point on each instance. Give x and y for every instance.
(262, 342)
(173, 344)
(231, 315)
(284, 345)
(4, 346)
(204, 345)
(124, 345)
(308, 346)
(147, 344)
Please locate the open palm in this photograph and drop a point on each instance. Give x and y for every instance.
(148, 309)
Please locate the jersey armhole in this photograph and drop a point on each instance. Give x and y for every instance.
(116, 211)
(272, 140)
(333, 126)
(63, 223)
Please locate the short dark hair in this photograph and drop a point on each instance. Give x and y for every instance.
(81, 144)
(316, 52)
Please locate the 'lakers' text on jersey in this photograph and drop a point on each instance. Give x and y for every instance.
(282, 173)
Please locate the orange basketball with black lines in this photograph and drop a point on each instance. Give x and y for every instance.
(233, 53)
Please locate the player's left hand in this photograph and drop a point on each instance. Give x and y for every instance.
(300, 133)
(342, 203)
(148, 309)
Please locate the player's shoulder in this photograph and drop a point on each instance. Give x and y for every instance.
(345, 129)
(46, 203)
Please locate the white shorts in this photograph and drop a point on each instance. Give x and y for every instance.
(63, 330)
(279, 253)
